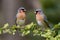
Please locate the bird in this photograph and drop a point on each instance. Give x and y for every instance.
(42, 19)
(21, 16)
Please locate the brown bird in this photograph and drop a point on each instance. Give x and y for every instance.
(21, 16)
(41, 19)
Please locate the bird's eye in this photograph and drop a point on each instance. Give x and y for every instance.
(23, 10)
(36, 11)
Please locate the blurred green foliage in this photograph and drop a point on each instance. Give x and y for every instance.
(31, 16)
(52, 10)
(34, 31)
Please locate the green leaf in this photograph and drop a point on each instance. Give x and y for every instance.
(25, 33)
(29, 26)
(35, 31)
(6, 30)
(5, 25)
(57, 26)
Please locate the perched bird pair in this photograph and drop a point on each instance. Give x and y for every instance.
(40, 17)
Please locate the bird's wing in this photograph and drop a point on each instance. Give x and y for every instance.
(46, 21)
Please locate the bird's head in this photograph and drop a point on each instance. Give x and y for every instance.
(21, 9)
(38, 11)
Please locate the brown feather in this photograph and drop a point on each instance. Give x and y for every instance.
(21, 16)
(39, 17)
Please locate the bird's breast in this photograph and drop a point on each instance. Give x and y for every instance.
(40, 23)
(21, 16)
(39, 17)
(20, 22)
